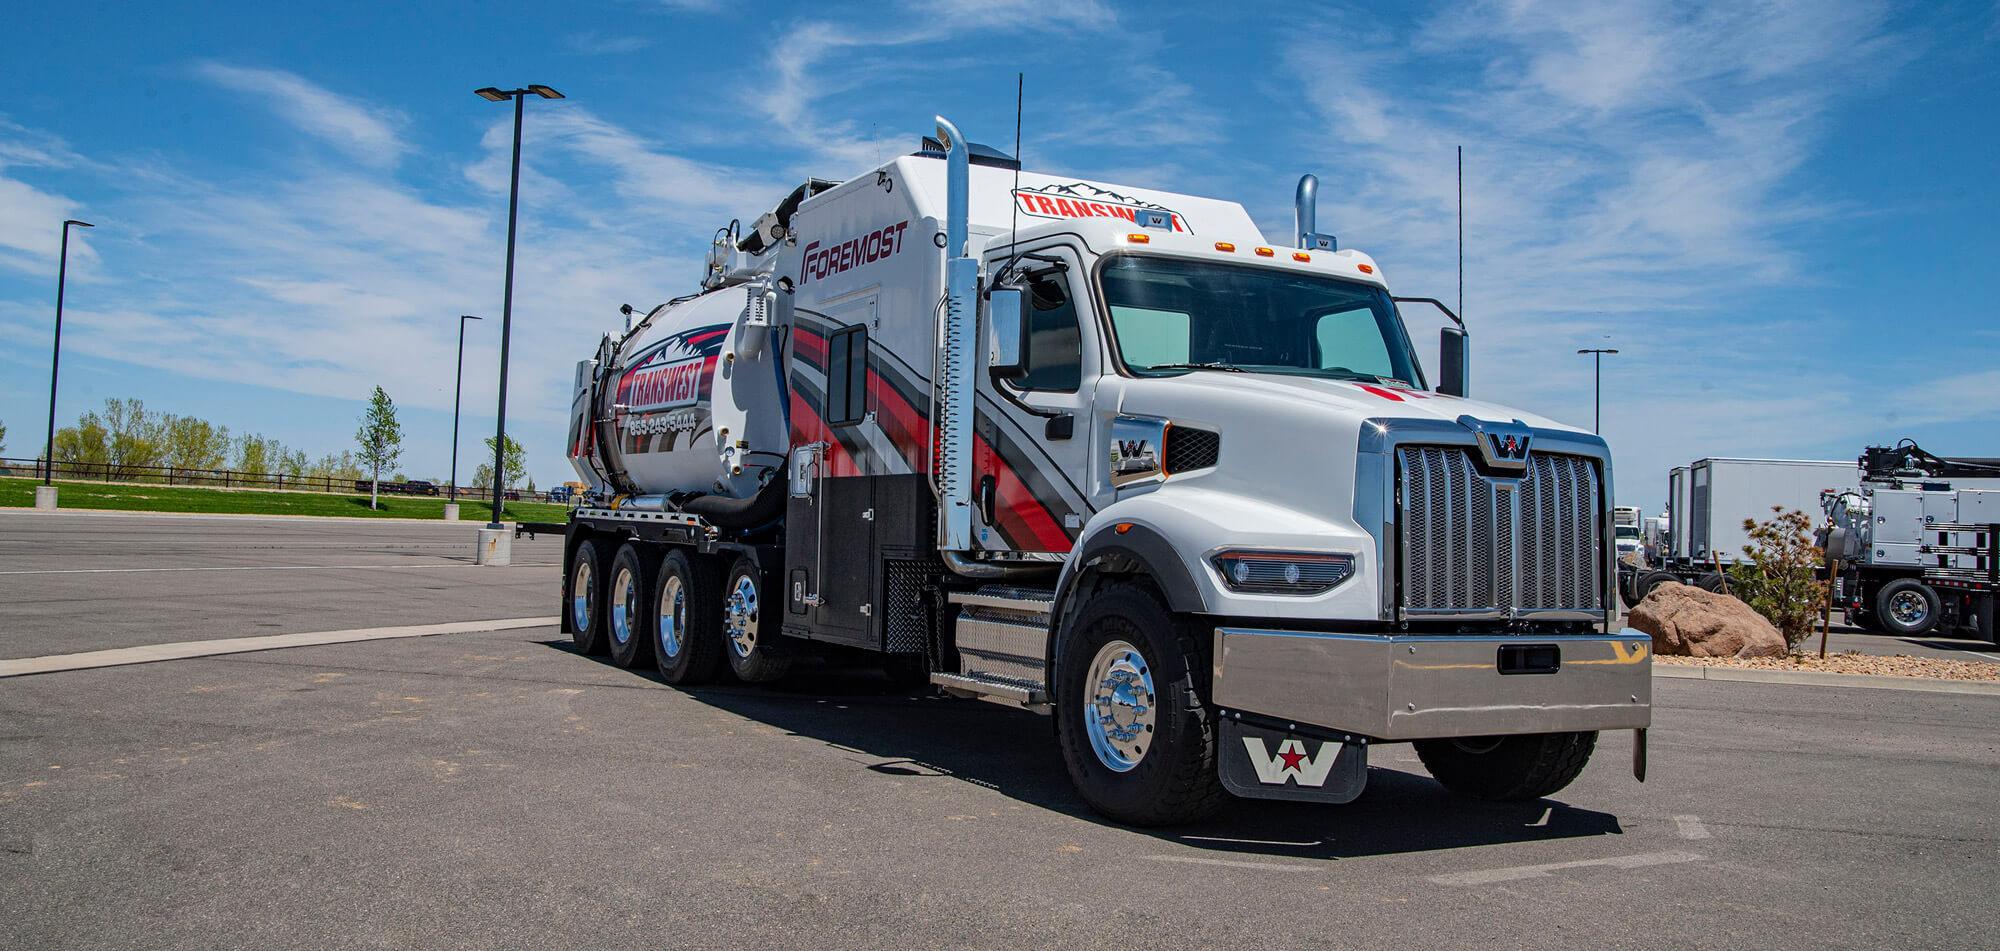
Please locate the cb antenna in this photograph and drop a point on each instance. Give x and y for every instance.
(1014, 226)
(1461, 232)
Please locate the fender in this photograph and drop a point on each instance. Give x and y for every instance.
(1141, 548)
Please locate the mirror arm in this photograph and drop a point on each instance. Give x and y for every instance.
(1434, 302)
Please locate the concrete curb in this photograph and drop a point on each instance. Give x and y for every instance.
(240, 516)
(1813, 678)
(183, 650)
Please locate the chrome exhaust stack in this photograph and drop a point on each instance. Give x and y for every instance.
(1306, 234)
(958, 356)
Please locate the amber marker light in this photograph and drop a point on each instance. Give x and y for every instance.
(1224, 246)
(1265, 252)
(1139, 238)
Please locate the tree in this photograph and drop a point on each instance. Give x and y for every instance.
(190, 443)
(381, 441)
(87, 443)
(1780, 578)
(3, 438)
(136, 435)
(340, 468)
(515, 462)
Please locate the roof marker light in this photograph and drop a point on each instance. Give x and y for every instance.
(1265, 252)
(1301, 256)
(1366, 268)
(1224, 246)
(1137, 238)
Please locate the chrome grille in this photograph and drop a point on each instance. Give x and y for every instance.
(1471, 542)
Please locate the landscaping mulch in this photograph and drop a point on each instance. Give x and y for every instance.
(1853, 662)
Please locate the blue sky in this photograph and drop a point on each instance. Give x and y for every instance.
(1782, 214)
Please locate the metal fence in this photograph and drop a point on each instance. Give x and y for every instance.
(236, 479)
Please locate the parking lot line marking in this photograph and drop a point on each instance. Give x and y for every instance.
(182, 650)
(1690, 827)
(121, 571)
(1227, 863)
(1495, 875)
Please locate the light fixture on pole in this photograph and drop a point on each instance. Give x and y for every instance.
(55, 361)
(457, 394)
(1597, 390)
(496, 94)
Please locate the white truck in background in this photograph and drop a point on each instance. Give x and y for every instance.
(1708, 501)
(1132, 464)
(1916, 547)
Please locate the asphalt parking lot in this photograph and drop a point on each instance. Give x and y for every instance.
(496, 790)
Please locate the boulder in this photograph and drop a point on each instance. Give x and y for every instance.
(1687, 621)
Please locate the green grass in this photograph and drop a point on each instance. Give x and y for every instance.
(142, 497)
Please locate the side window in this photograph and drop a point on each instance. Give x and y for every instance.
(1055, 354)
(846, 376)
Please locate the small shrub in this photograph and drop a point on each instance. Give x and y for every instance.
(1779, 579)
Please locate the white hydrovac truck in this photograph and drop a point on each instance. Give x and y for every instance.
(1129, 463)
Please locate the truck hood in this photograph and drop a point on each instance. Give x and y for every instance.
(1236, 399)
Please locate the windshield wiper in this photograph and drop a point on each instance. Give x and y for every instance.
(1226, 367)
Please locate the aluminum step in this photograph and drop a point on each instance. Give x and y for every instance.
(994, 688)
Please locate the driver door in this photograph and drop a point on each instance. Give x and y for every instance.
(1031, 452)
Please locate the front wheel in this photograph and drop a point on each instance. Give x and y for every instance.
(1139, 742)
(1507, 768)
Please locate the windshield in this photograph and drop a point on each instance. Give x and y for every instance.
(1174, 316)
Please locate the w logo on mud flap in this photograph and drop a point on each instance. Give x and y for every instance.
(1291, 763)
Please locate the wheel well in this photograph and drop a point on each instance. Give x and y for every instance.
(1102, 572)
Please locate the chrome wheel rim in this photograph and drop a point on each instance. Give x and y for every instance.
(1909, 608)
(673, 615)
(740, 615)
(1123, 708)
(579, 596)
(624, 604)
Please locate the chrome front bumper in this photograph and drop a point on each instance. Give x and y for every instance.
(1410, 687)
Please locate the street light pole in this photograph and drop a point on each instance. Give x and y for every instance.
(457, 394)
(493, 94)
(55, 361)
(1597, 389)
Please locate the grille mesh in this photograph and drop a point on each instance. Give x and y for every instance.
(1189, 448)
(1473, 542)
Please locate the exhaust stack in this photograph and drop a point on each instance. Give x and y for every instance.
(957, 357)
(1306, 211)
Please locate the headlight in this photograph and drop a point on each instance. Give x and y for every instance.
(1282, 572)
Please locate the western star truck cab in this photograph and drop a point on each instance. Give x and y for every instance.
(1111, 454)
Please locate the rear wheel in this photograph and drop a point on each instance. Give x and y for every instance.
(1507, 767)
(1713, 582)
(687, 619)
(1650, 580)
(583, 594)
(1139, 742)
(754, 652)
(628, 604)
(1908, 607)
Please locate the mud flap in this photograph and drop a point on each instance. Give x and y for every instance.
(1257, 763)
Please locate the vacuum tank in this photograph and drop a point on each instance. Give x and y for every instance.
(690, 403)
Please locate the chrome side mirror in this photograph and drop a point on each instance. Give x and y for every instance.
(1007, 334)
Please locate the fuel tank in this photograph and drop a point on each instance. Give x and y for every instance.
(694, 401)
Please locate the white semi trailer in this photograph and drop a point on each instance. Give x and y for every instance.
(1707, 503)
(1109, 453)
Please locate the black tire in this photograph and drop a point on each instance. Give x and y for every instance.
(1628, 588)
(582, 610)
(1907, 607)
(687, 619)
(1507, 768)
(1650, 580)
(1712, 581)
(756, 652)
(628, 606)
(1173, 779)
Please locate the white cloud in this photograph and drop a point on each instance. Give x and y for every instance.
(364, 133)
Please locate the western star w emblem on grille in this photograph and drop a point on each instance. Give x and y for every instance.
(1503, 447)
